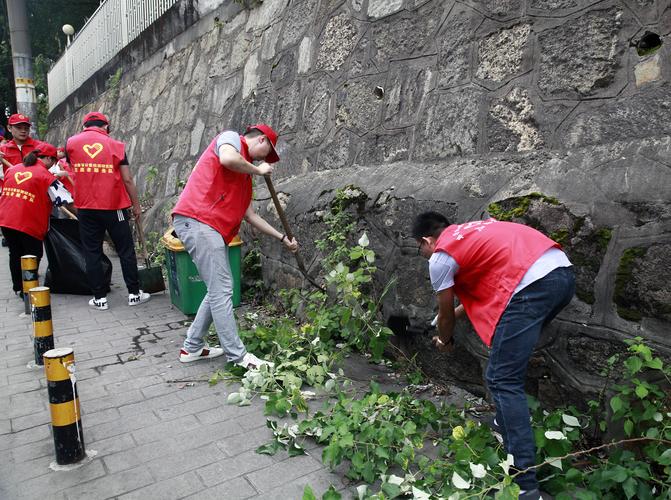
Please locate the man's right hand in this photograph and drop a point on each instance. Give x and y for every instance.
(137, 212)
(264, 168)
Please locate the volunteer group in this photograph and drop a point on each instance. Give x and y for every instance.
(89, 179)
(511, 280)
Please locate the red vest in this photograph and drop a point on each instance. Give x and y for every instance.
(216, 195)
(493, 257)
(25, 204)
(95, 158)
(14, 155)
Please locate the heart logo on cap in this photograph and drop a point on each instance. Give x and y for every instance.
(93, 150)
(21, 177)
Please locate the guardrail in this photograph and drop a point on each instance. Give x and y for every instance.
(112, 26)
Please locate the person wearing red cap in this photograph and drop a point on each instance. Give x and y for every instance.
(103, 191)
(14, 151)
(27, 197)
(207, 216)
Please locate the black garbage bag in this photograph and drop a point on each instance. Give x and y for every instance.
(66, 272)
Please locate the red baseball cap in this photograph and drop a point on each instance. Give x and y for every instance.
(272, 137)
(95, 115)
(17, 118)
(47, 149)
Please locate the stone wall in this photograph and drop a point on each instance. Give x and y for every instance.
(553, 113)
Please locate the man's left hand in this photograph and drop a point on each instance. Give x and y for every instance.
(292, 244)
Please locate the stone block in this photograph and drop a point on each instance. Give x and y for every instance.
(250, 76)
(449, 125)
(454, 46)
(358, 104)
(113, 485)
(304, 56)
(642, 284)
(337, 152)
(236, 489)
(336, 42)
(407, 84)
(582, 57)
(381, 8)
(316, 122)
(173, 488)
(288, 107)
(283, 70)
(648, 71)
(637, 116)
(298, 19)
(499, 9)
(502, 54)
(268, 479)
(405, 36)
(267, 13)
(230, 468)
(511, 123)
(384, 148)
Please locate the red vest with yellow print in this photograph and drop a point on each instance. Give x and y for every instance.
(25, 204)
(216, 195)
(493, 257)
(14, 155)
(95, 158)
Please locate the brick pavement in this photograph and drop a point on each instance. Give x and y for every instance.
(154, 439)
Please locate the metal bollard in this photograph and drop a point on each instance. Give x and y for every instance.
(59, 366)
(29, 277)
(43, 331)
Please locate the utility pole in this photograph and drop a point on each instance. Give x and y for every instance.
(22, 58)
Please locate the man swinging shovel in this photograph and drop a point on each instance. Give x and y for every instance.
(208, 214)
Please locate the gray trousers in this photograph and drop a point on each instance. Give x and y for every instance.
(209, 253)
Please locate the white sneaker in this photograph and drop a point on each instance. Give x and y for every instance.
(140, 298)
(205, 352)
(251, 362)
(99, 304)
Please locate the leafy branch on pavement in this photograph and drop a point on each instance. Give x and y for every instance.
(384, 438)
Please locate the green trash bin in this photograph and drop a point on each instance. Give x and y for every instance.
(187, 289)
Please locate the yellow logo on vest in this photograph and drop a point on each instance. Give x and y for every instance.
(93, 150)
(21, 177)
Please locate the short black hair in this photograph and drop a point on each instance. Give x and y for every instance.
(253, 132)
(94, 123)
(429, 224)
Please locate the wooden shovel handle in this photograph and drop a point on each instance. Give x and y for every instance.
(287, 230)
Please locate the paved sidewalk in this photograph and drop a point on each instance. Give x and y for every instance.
(154, 439)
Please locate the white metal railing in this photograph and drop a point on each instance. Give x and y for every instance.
(112, 26)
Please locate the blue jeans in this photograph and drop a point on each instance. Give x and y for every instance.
(514, 339)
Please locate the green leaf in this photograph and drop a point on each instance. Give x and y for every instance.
(295, 449)
(308, 494)
(616, 404)
(331, 494)
(382, 453)
(268, 449)
(629, 487)
(346, 441)
(391, 490)
(634, 364)
(628, 427)
(641, 391)
(665, 458)
(654, 364)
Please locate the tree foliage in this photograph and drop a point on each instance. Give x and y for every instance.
(45, 20)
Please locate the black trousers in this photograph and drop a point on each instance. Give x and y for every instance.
(20, 244)
(92, 227)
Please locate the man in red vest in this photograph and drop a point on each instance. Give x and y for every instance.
(103, 191)
(208, 214)
(511, 280)
(15, 150)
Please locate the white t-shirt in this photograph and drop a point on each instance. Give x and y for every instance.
(443, 268)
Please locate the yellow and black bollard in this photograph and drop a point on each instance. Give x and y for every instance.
(43, 331)
(29, 277)
(59, 366)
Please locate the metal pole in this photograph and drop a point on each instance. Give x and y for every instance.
(22, 58)
(43, 330)
(66, 421)
(29, 275)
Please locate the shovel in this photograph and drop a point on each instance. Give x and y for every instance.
(287, 231)
(151, 278)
